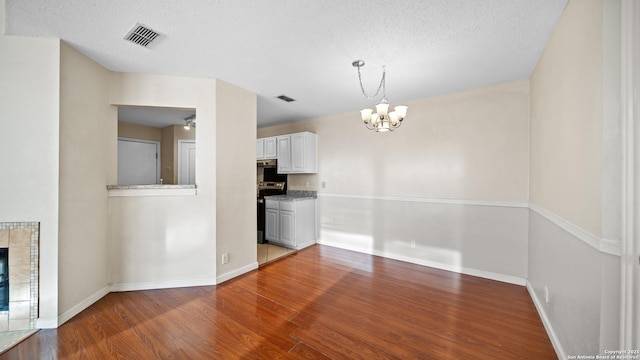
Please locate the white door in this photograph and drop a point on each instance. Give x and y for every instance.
(186, 162)
(138, 162)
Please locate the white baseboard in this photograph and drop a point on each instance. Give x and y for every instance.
(237, 272)
(162, 285)
(557, 346)
(78, 308)
(449, 267)
(47, 323)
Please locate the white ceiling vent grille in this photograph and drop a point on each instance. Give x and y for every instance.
(142, 35)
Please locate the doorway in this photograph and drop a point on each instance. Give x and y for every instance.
(186, 162)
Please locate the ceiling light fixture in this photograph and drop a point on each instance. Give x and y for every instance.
(190, 122)
(380, 119)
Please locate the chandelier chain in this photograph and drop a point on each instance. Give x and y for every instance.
(382, 85)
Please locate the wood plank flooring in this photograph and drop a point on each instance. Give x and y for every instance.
(320, 303)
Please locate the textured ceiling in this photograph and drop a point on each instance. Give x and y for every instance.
(304, 48)
(154, 117)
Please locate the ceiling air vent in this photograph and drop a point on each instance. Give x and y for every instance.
(285, 98)
(142, 35)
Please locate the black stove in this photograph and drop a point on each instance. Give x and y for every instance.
(273, 184)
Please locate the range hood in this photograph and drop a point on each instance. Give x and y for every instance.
(267, 163)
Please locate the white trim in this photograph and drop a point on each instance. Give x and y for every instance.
(516, 204)
(555, 341)
(608, 246)
(79, 307)
(630, 111)
(48, 323)
(448, 267)
(237, 272)
(152, 192)
(162, 284)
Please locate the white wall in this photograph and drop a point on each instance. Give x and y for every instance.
(384, 191)
(165, 241)
(236, 187)
(29, 144)
(575, 173)
(87, 155)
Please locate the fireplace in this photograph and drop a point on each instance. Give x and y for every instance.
(4, 279)
(19, 247)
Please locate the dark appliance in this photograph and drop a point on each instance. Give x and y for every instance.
(273, 184)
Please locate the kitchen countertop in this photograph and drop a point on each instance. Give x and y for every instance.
(156, 186)
(289, 197)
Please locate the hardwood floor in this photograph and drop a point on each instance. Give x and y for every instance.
(320, 303)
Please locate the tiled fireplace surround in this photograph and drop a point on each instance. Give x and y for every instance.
(22, 239)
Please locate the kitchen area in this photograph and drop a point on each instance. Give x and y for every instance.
(286, 218)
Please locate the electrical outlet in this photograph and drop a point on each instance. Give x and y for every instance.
(546, 294)
(225, 258)
(324, 184)
(413, 244)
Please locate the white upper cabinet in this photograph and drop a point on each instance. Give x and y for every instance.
(266, 148)
(259, 149)
(270, 149)
(297, 153)
(284, 154)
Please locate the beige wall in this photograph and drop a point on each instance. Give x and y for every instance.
(87, 158)
(236, 209)
(575, 174)
(566, 119)
(141, 132)
(29, 142)
(169, 170)
(167, 241)
(472, 145)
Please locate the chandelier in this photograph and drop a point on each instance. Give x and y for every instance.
(380, 119)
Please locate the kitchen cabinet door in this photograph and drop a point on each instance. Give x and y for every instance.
(297, 153)
(270, 148)
(272, 224)
(287, 228)
(284, 154)
(259, 149)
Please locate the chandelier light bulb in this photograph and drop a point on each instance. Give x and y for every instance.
(393, 116)
(401, 110)
(382, 109)
(366, 115)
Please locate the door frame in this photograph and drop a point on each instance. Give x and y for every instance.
(180, 143)
(158, 154)
(630, 111)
